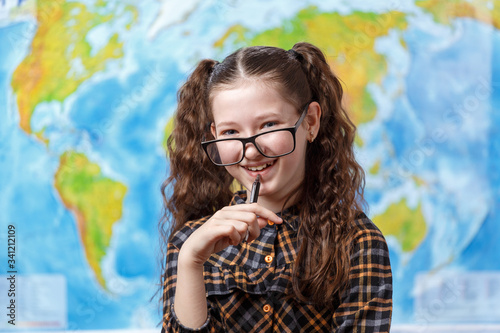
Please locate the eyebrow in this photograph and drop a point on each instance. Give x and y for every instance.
(225, 123)
(258, 118)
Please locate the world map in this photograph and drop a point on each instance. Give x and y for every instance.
(87, 94)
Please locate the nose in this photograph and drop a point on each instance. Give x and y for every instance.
(251, 152)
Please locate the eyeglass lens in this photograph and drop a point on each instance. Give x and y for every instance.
(270, 144)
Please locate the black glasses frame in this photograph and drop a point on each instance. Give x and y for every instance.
(252, 138)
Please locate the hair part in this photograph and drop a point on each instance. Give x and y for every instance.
(271, 66)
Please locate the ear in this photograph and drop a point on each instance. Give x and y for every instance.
(212, 129)
(313, 119)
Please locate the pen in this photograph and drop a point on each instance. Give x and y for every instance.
(255, 190)
(254, 195)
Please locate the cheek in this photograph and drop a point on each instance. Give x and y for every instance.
(301, 137)
(297, 160)
(231, 169)
(236, 172)
(229, 152)
(301, 147)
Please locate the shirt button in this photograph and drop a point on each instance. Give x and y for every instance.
(268, 259)
(266, 308)
(270, 222)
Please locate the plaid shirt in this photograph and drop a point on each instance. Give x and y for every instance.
(246, 284)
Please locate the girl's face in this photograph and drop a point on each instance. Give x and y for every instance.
(252, 108)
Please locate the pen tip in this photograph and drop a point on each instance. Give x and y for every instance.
(258, 178)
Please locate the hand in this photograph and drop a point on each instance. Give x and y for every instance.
(227, 226)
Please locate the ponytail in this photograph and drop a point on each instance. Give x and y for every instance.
(325, 87)
(199, 187)
(332, 192)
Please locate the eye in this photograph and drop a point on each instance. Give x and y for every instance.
(228, 132)
(270, 124)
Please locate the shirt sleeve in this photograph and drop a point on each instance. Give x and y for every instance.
(367, 304)
(170, 321)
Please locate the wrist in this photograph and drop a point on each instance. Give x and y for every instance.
(188, 261)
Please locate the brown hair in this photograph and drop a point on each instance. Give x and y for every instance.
(332, 192)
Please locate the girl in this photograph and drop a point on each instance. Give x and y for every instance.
(304, 258)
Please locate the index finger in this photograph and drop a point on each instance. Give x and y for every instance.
(262, 213)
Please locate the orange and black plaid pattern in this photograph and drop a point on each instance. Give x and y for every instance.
(246, 284)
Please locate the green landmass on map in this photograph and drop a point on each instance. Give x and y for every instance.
(61, 58)
(95, 200)
(405, 224)
(444, 12)
(375, 169)
(348, 42)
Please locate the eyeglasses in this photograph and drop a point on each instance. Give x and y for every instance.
(274, 143)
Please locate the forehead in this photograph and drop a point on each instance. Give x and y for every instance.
(249, 99)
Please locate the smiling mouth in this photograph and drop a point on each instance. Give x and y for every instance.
(260, 167)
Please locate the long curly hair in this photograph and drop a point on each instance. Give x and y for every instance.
(331, 195)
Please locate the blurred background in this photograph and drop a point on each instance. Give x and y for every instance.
(87, 92)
